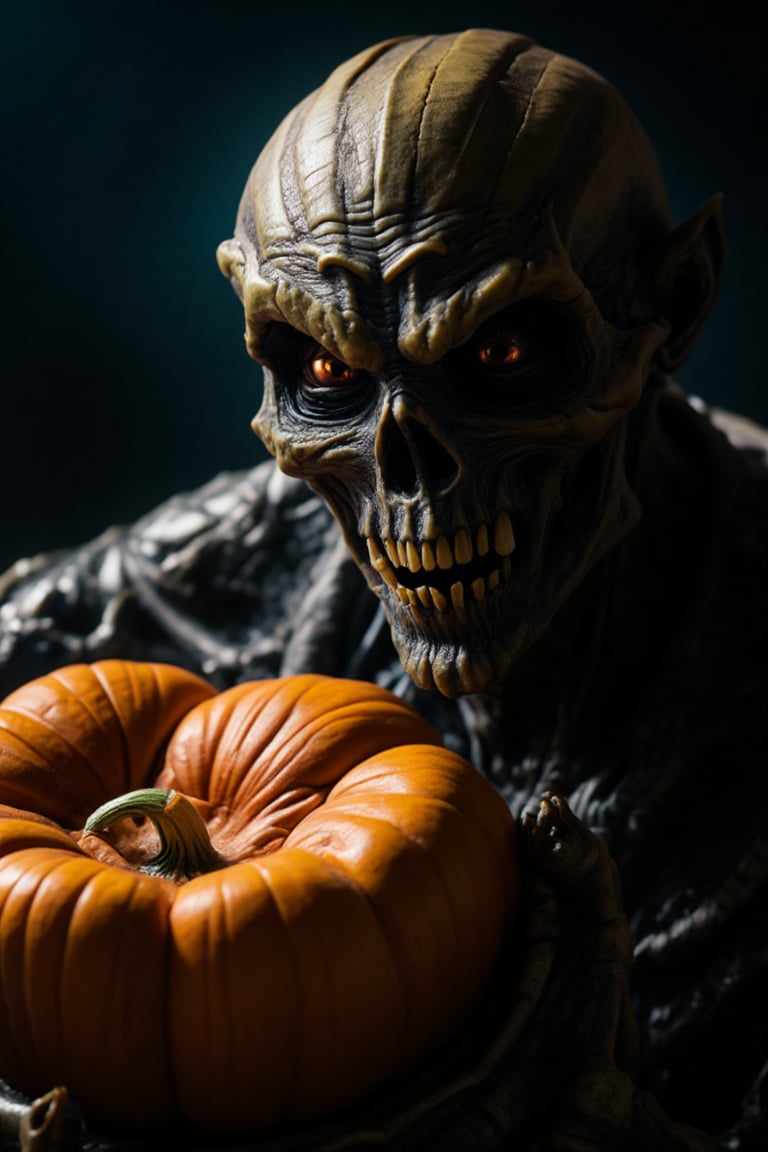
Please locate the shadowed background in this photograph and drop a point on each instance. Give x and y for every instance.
(130, 131)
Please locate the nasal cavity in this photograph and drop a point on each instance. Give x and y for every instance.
(410, 456)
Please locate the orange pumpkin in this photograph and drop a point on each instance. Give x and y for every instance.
(362, 879)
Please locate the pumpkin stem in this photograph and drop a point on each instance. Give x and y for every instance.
(185, 846)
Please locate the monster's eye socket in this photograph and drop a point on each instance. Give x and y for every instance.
(501, 348)
(323, 370)
(523, 360)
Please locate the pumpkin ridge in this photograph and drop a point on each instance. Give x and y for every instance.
(471, 794)
(43, 756)
(338, 803)
(225, 729)
(356, 814)
(468, 815)
(130, 670)
(369, 697)
(217, 723)
(196, 1090)
(52, 863)
(289, 1098)
(20, 821)
(137, 676)
(373, 769)
(165, 1047)
(275, 719)
(205, 726)
(11, 1008)
(6, 1021)
(243, 792)
(28, 993)
(357, 818)
(290, 815)
(302, 1067)
(216, 1027)
(347, 712)
(125, 1082)
(106, 689)
(342, 869)
(336, 1012)
(429, 802)
(290, 1101)
(65, 965)
(225, 905)
(271, 712)
(354, 811)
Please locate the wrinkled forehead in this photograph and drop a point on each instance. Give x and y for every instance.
(430, 182)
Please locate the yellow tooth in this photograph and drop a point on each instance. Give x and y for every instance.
(423, 595)
(387, 574)
(427, 556)
(413, 598)
(376, 556)
(412, 553)
(380, 563)
(402, 554)
(438, 599)
(392, 551)
(482, 540)
(462, 546)
(402, 593)
(493, 580)
(478, 588)
(506, 568)
(444, 554)
(503, 536)
(457, 594)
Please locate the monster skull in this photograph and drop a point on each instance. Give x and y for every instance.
(440, 258)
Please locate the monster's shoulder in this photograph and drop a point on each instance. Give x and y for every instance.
(220, 580)
(744, 434)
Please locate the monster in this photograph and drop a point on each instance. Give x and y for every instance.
(469, 359)
(459, 269)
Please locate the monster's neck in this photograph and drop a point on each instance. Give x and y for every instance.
(587, 683)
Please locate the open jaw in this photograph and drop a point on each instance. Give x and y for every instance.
(446, 572)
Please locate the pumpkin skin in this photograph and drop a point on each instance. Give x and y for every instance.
(370, 875)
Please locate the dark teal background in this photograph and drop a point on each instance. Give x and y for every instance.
(130, 129)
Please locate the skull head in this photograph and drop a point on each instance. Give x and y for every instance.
(440, 255)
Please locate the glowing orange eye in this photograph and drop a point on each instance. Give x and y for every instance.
(328, 371)
(501, 350)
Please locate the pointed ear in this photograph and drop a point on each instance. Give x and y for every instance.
(685, 276)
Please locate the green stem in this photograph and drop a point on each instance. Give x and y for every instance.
(185, 846)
